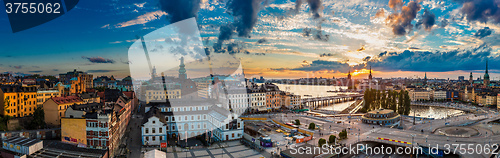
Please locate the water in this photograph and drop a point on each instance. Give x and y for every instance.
(433, 112)
(338, 107)
(310, 91)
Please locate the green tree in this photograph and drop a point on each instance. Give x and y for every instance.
(343, 134)
(297, 122)
(400, 102)
(406, 103)
(321, 142)
(312, 126)
(38, 120)
(331, 139)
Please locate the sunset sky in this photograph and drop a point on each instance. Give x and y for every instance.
(274, 39)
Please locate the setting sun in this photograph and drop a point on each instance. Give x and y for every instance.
(359, 72)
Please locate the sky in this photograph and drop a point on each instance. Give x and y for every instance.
(272, 38)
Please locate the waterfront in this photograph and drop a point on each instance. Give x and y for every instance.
(338, 107)
(308, 91)
(434, 112)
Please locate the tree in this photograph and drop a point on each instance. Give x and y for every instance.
(332, 138)
(297, 122)
(38, 120)
(343, 134)
(321, 142)
(312, 126)
(406, 103)
(400, 102)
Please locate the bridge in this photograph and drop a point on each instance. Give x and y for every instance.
(414, 137)
(314, 103)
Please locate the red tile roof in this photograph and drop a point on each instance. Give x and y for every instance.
(129, 94)
(67, 99)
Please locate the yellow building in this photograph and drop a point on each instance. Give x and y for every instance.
(74, 131)
(55, 107)
(159, 95)
(17, 100)
(42, 96)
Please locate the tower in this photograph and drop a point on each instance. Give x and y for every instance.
(425, 79)
(486, 80)
(349, 75)
(471, 80)
(182, 70)
(370, 76)
(153, 72)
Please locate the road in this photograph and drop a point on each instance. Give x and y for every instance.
(426, 138)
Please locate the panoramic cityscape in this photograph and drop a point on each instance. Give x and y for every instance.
(250, 78)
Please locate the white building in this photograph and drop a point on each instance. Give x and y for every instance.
(420, 95)
(257, 99)
(187, 118)
(439, 95)
(154, 128)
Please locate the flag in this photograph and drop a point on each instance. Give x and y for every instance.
(67, 139)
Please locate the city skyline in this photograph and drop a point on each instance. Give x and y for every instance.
(443, 38)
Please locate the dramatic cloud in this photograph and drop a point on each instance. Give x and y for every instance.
(395, 4)
(98, 59)
(401, 21)
(179, 10)
(318, 65)
(16, 67)
(408, 60)
(263, 40)
(481, 33)
(315, 7)
(38, 71)
(444, 23)
(380, 14)
(317, 34)
(100, 71)
(361, 49)
(245, 13)
(151, 16)
(482, 10)
(428, 20)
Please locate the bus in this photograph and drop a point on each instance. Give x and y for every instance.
(292, 125)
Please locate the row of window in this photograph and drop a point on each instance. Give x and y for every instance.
(196, 108)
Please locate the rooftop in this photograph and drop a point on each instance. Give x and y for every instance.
(67, 99)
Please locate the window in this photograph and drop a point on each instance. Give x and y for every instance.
(227, 126)
(147, 130)
(161, 137)
(154, 130)
(160, 130)
(154, 137)
(238, 125)
(147, 138)
(154, 122)
(232, 136)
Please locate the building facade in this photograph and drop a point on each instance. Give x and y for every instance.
(17, 100)
(54, 108)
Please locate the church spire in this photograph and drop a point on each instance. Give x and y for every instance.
(370, 76)
(182, 70)
(486, 80)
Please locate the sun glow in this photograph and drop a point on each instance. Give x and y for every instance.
(360, 72)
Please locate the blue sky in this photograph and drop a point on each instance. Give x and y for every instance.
(272, 38)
